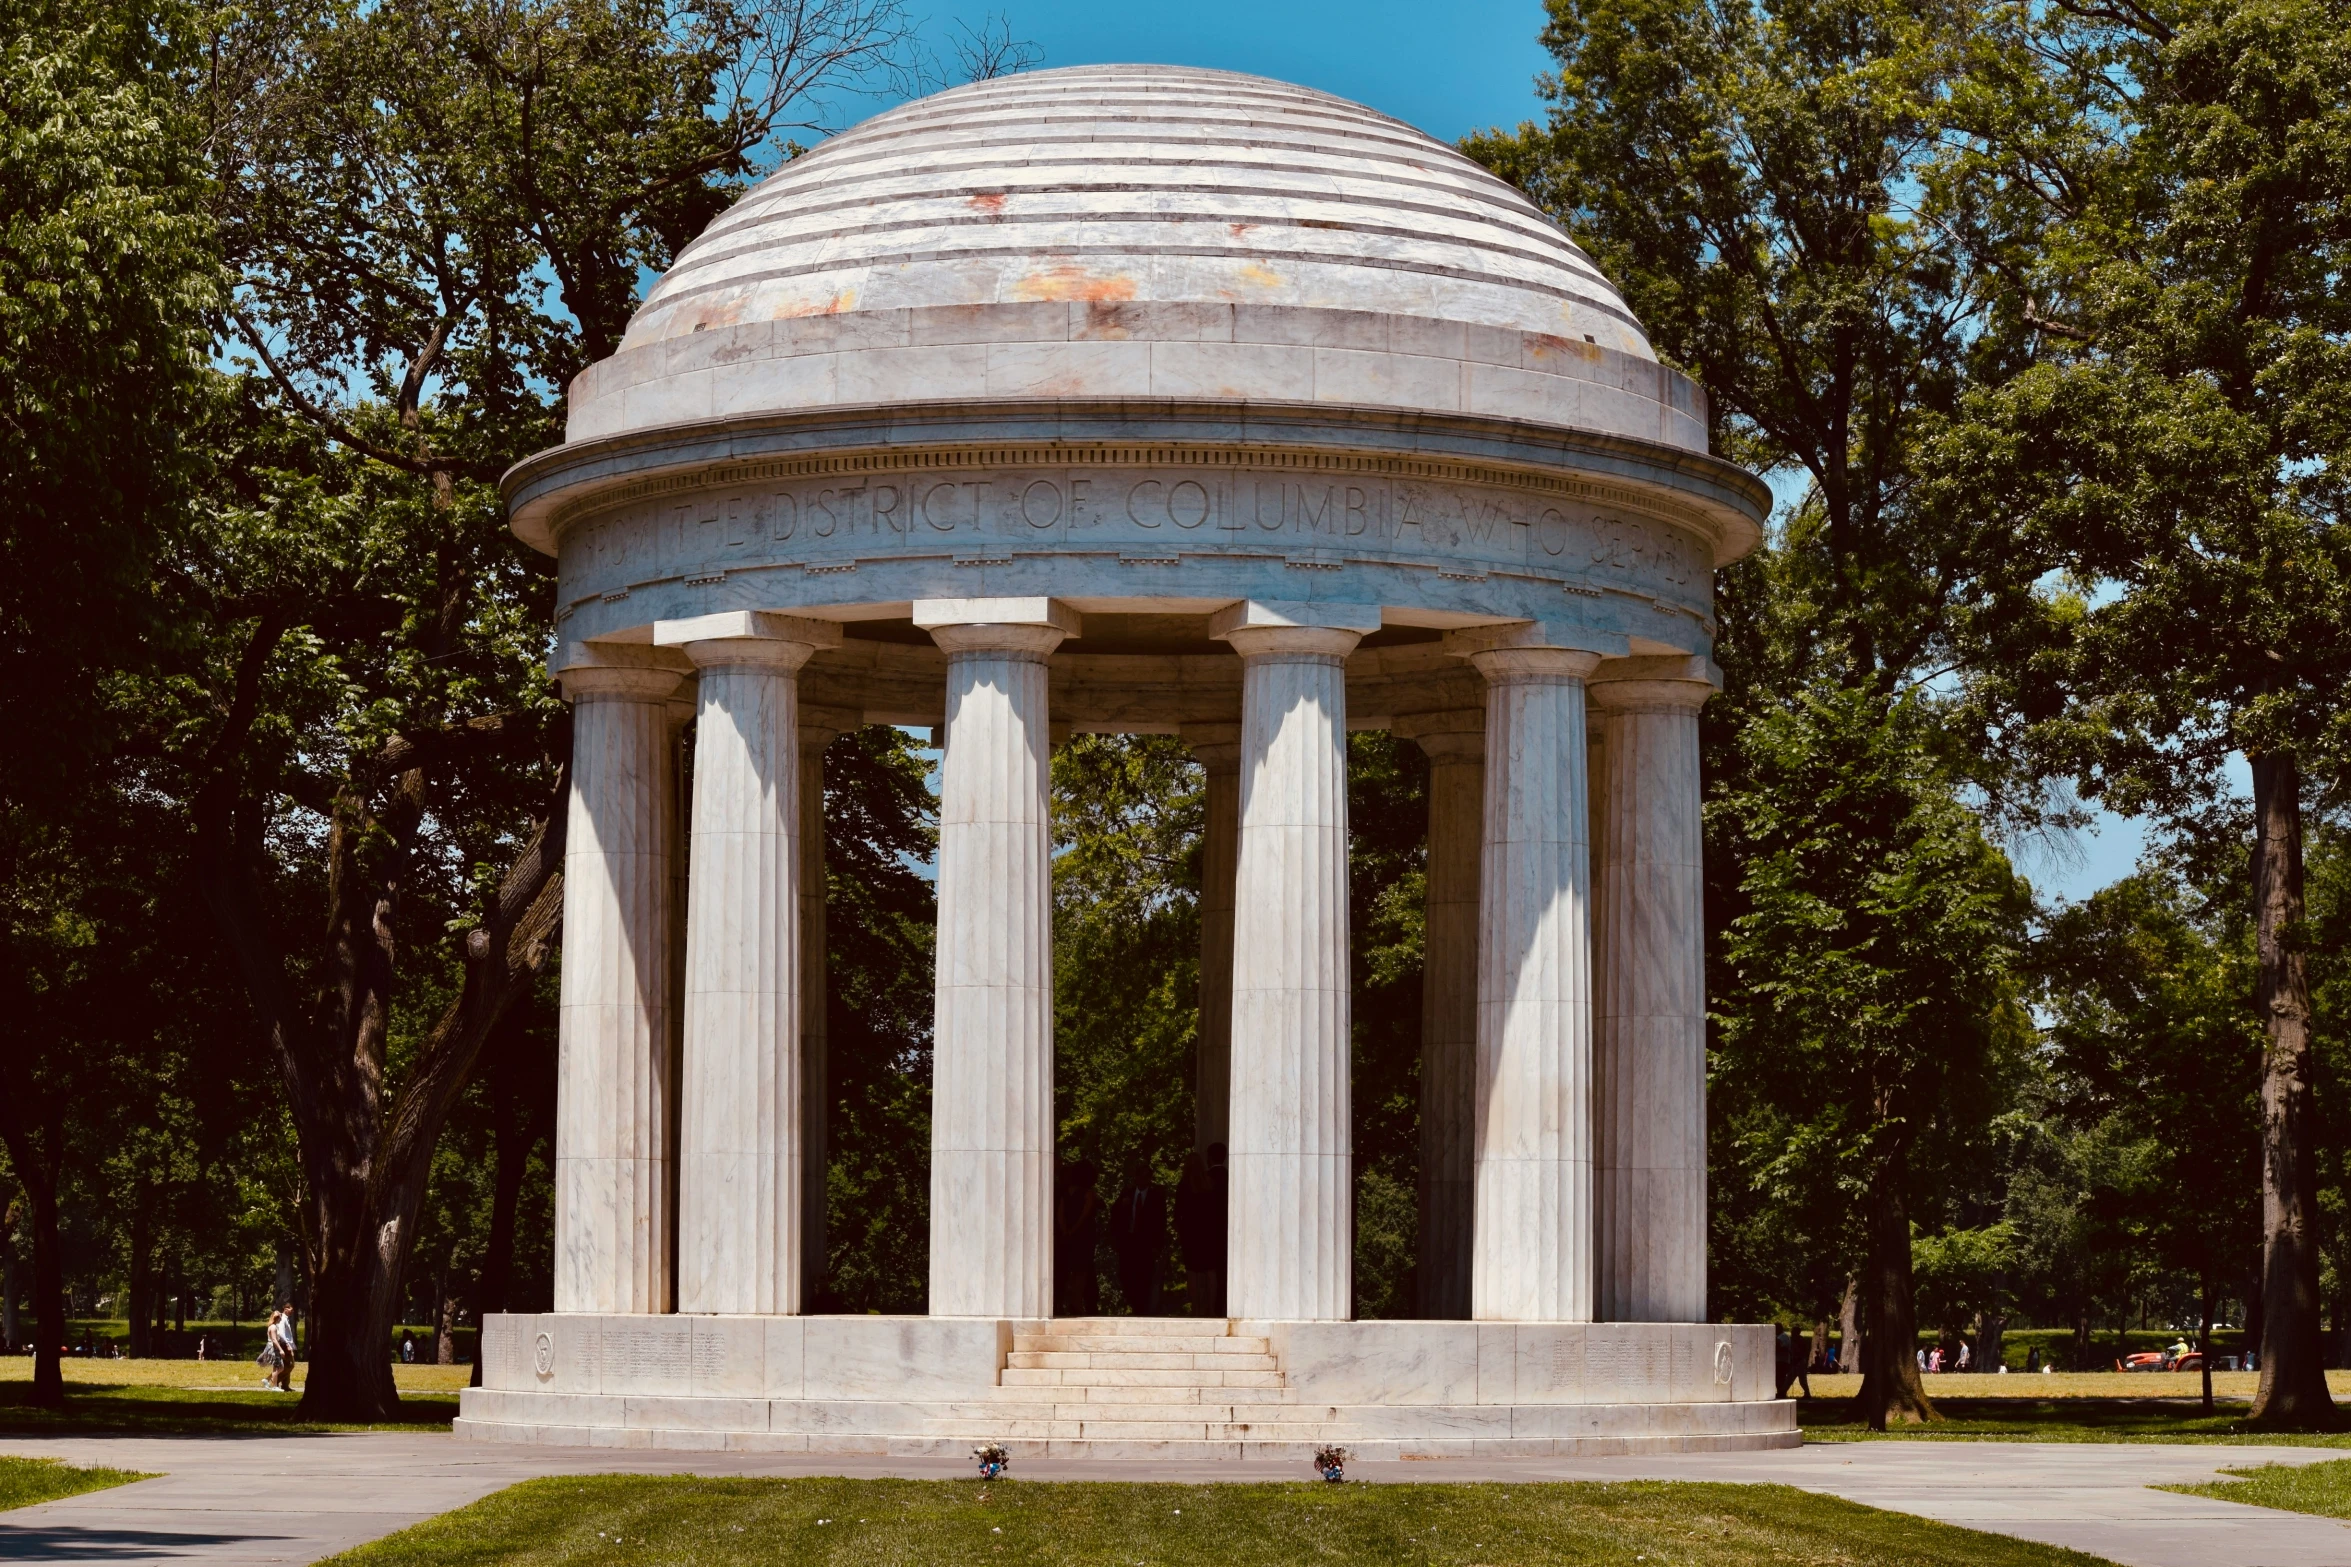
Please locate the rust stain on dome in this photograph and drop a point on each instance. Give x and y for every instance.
(1074, 283)
(836, 304)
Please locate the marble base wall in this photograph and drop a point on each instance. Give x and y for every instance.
(930, 1386)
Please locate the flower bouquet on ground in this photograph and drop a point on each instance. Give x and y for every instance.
(992, 1459)
(1331, 1463)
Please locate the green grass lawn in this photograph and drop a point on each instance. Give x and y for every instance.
(903, 1523)
(193, 1397)
(2324, 1489)
(2088, 1407)
(24, 1481)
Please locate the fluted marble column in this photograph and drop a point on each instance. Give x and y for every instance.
(1650, 1050)
(612, 1118)
(1290, 1225)
(739, 1154)
(1218, 749)
(1455, 743)
(992, 1129)
(1533, 1256)
(819, 728)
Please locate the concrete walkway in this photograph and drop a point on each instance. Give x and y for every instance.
(258, 1501)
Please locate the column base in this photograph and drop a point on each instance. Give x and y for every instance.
(1126, 1387)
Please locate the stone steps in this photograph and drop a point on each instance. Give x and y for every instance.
(1134, 1379)
(1141, 1430)
(1114, 1376)
(1128, 1395)
(1124, 1344)
(1135, 1360)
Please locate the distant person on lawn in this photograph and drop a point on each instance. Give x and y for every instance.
(267, 1360)
(281, 1330)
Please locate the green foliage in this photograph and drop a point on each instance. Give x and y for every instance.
(1961, 1274)
(1387, 825)
(2167, 560)
(1868, 956)
(108, 267)
(2159, 1057)
(1128, 814)
(1757, 180)
(880, 923)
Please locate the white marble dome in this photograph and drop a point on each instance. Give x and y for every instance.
(1129, 232)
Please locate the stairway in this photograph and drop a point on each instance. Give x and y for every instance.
(1111, 1386)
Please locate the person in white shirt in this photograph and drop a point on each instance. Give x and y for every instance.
(281, 1330)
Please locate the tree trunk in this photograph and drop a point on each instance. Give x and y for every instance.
(48, 1293)
(511, 1128)
(1891, 1391)
(367, 1157)
(351, 1309)
(8, 1281)
(1849, 1328)
(142, 1280)
(2204, 1341)
(1991, 1345)
(445, 1330)
(39, 1177)
(2292, 1395)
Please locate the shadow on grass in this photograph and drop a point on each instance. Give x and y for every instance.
(2057, 1420)
(131, 1409)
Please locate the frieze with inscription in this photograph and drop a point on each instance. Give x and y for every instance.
(829, 520)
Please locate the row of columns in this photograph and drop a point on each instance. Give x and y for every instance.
(1563, 1088)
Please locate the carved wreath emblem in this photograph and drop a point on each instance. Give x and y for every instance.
(1722, 1362)
(543, 1354)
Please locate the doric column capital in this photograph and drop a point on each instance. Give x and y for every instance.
(1216, 747)
(1257, 628)
(747, 639)
(1533, 663)
(1454, 734)
(1525, 650)
(821, 726)
(626, 673)
(1005, 627)
(1682, 682)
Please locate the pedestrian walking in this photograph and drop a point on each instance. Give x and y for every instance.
(282, 1331)
(267, 1360)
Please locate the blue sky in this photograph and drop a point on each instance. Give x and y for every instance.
(1448, 68)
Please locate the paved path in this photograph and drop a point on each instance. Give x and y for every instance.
(261, 1501)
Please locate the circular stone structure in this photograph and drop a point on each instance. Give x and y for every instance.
(1138, 399)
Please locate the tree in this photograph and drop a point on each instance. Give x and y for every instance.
(1387, 890)
(2164, 472)
(106, 272)
(2155, 1047)
(881, 923)
(1869, 954)
(370, 735)
(1128, 813)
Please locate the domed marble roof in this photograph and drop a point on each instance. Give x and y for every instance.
(1136, 231)
(1142, 184)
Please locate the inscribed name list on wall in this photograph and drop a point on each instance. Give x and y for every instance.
(1553, 532)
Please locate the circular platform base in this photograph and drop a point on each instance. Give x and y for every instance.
(1122, 1387)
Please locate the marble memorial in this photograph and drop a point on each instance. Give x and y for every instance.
(1138, 399)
